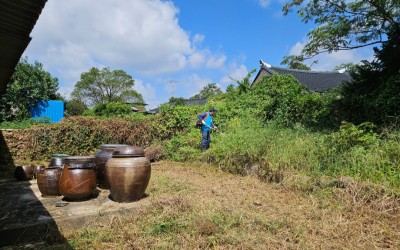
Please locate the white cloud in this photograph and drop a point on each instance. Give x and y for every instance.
(264, 3)
(328, 61)
(197, 59)
(236, 73)
(216, 62)
(296, 49)
(147, 90)
(139, 36)
(198, 39)
(267, 3)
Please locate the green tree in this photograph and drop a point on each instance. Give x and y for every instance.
(29, 84)
(346, 25)
(374, 93)
(209, 90)
(75, 107)
(104, 86)
(177, 101)
(349, 67)
(244, 85)
(295, 62)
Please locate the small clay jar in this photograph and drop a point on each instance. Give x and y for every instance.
(36, 169)
(23, 173)
(78, 178)
(128, 173)
(101, 158)
(57, 160)
(48, 181)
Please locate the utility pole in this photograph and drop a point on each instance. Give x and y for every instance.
(173, 85)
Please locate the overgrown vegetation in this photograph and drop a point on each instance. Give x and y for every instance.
(269, 129)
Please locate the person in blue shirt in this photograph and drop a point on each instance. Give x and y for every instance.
(207, 125)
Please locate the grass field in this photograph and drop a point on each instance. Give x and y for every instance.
(197, 206)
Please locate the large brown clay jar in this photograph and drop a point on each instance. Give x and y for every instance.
(128, 173)
(101, 158)
(23, 173)
(48, 181)
(78, 178)
(36, 170)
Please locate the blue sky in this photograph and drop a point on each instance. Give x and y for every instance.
(192, 42)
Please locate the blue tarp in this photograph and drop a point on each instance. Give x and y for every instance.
(54, 110)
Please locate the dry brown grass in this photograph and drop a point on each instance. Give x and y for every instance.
(199, 207)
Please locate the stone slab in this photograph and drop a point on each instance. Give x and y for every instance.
(27, 217)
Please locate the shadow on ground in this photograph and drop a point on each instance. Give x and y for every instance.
(25, 223)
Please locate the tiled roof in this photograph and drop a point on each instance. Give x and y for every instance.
(17, 19)
(314, 80)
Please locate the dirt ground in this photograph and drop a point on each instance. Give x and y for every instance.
(194, 206)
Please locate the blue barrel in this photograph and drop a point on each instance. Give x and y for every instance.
(54, 110)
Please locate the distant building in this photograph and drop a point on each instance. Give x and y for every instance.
(50, 109)
(137, 106)
(318, 81)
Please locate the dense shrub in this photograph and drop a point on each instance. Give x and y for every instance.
(112, 109)
(373, 95)
(75, 107)
(83, 136)
(280, 98)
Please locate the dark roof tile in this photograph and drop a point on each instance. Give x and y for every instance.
(313, 80)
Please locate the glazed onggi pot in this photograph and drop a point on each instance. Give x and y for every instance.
(23, 173)
(128, 174)
(36, 170)
(101, 158)
(57, 160)
(48, 181)
(78, 178)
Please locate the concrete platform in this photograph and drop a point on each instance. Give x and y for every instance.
(27, 218)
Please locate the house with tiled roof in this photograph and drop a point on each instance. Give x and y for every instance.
(318, 81)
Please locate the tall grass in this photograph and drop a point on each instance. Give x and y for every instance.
(248, 146)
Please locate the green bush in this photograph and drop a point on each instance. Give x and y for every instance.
(184, 147)
(75, 107)
(280, 98)
(24, 123)
(112, 109)
(88, 112)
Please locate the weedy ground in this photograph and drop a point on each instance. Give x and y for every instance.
(196, 206)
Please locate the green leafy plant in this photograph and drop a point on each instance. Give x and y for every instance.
(29, 84)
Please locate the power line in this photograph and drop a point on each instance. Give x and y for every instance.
(173, 86)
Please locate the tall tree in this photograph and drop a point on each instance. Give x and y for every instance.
(29, 84)
(209, 90)
(177, 101)
(346, 25)
(295, 62)
(104, 86)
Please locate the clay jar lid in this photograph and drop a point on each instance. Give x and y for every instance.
(130, 151)
(59, 155)
(79, 161)
(112, 146)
